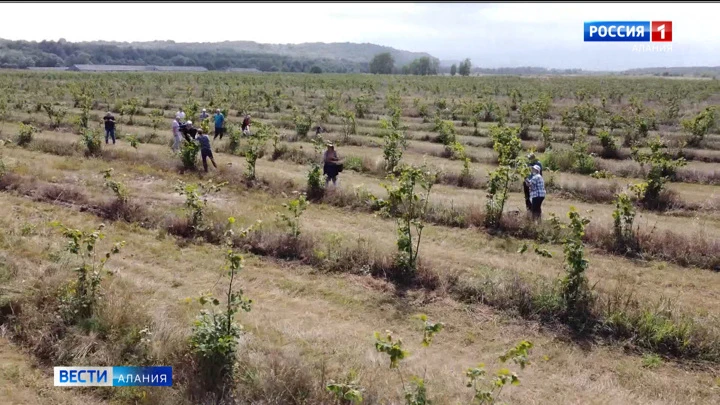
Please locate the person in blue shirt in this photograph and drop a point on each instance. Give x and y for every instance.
(219, 124)
(532, 162)
(205, 150)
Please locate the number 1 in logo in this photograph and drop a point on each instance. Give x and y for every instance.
(661, 31)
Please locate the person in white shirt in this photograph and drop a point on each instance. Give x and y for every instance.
(177, 137)
(180, 115)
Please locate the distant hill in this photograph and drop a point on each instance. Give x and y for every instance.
(338, 57)
(330, 57)
(696, 71)
(349, 51)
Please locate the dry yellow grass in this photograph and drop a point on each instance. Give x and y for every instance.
(22, 384)
(324, 319)
(307, 326)
(465, 250)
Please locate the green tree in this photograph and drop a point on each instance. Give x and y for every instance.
(453, 70)
(464, 69)
(382, 63)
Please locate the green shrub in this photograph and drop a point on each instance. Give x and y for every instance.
(189, 154)
(233, 133)
(623, 218)
(93, 142)
(215, 333)
(256, 147)
(303, 122)
(25, 134)
(81, 296)
(295, 208)
(119, 189)
(395, 143)
(576, 291)
(196, 202)
(662, 168)
(576, 160)
(609, 145)
(410, 209)
(511, 168)
(699, 126)
(315, 184)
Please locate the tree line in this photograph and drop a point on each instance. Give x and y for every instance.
(384, 63)
(24, 54)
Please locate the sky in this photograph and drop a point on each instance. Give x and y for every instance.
(490, 34)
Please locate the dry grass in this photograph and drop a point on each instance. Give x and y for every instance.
(318, 298)
(306, 327)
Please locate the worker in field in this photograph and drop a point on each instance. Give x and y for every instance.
(188, 131)
(219, 124)
(205, 150)
(180, 115)
(331, 165)
(177, 136)
(204, 114)
(109, 127)
(532, 161)
(246, 125)
(536, 185)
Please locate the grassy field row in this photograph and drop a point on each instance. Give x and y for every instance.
(443, 245)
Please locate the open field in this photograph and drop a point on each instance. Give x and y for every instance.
(648, 334)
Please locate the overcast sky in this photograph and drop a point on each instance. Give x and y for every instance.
(491, 34)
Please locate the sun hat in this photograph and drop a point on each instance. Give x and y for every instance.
(536, 167)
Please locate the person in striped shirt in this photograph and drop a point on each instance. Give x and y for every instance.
(536, 184)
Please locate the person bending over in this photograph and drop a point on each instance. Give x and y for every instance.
(188, 131)
(205, 149)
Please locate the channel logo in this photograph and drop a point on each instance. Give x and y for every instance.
(628, 31)
(155, 376)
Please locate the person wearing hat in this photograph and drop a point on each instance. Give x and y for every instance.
(532, 161)
(536, 184)
(188, 131)
(219, 124)
(204, 114)
(332, 166)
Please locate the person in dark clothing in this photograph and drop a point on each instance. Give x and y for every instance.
(532, 161)
(246, 125)
(109, 127)
(332, 166)
(188, 131)
(205, 150)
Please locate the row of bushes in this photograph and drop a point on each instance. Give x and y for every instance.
(616, 317)
(459, 216)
